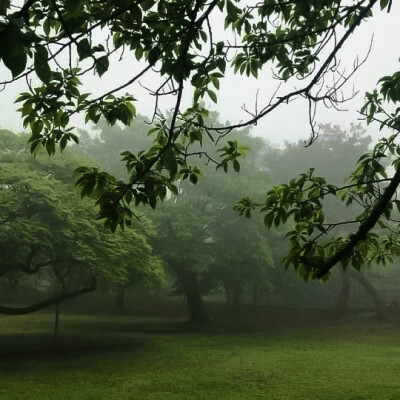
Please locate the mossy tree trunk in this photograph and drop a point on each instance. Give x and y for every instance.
(190, 284)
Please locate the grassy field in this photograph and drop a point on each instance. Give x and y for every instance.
(272, 354)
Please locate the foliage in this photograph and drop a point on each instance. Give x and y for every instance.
(242, 251)
(46, 225)
(59, 43)
(197, 233)
(305, 200)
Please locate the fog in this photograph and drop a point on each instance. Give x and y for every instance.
(188, 285)
(192, 298)
(193, 251)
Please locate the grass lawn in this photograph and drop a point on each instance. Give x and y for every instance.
(277, 355)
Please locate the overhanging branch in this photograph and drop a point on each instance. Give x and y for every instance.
(49, 302)
(305, 91)
(364, 228)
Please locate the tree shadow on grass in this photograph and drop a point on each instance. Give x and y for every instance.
(100, 335)
(29, 346)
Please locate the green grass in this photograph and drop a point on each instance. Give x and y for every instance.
(274, 355)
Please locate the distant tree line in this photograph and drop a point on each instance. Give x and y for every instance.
(193, 244)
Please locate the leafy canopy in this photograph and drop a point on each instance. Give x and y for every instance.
(59, 42)
(45, 226)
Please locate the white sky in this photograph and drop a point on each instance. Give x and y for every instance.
(289, 122)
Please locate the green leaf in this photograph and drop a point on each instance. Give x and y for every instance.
(63, 142)
(101, 65)
(153, 201)
(147, 4)
(4, 5)
(173, 189)
(136, 13)
(170, 162)
(139, 52)
(74, 7)
(12, 49)
(383, 3)
(153, 55)
(37, 128)
(193, 178)
(41, 64)
(83, 48)
(16, 64)
(212, 95)
(232, 10)
(128, 197)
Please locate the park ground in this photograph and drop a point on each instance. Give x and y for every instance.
(263, 353)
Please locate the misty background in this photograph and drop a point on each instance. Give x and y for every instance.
(276, 155)
(191, 299)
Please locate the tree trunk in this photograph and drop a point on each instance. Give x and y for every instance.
(119, 302)
(344, 294)
(237, 294)
(190, 284)
(255, 293)
(228, 295)
(56, 321)
(366, 284)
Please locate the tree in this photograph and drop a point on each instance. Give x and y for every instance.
(333, 157)
(36, 231)
(213, 256)
(45, 226)
(243, 258)
(205, 244)
(314, 248)
(135, 261)
(300, 39)
(344, 294)
(181, 243)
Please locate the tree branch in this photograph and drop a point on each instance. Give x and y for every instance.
(305, 90)
(49, 302)
(364, 228)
